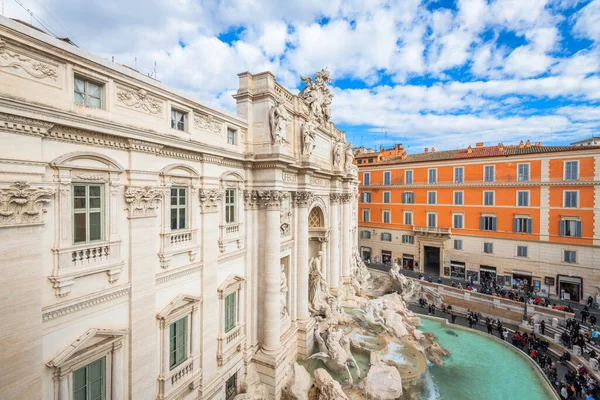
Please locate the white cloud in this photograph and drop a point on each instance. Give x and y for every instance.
(588, 21)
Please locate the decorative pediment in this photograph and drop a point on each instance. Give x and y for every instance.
(91, 339)
(87, 161)
(178, 303)
(231, 284)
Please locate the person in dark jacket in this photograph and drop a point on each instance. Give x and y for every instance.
(543, 326)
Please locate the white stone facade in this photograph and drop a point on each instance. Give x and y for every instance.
(138, 273)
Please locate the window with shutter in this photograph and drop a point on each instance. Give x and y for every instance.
(230, 312)
(177, 342)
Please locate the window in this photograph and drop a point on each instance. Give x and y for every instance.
(488, 198)
(489, 173)
(88, 213)
(408, 177)
(457, 221)
(89, 382)
(231, 136)
(570, 228)
(408, 239)
(523, 172)
(432, 176)
(488, 248)
(366, 215)
(386, 217)
(386, 237)
(370, 161)
(571, 199)
(457, 244)
(408, 218)
(359, 161)
(522, 225)
(431, 220)
(231, 387)
(521, 251)
(523, 199)
(366, 197)
(177, 342)
(230, 312)
(571, 170)
(178, 208)
(178, 120)
(230, 206)
(87, 93)
(365, 235)
(458, 198)
(386, 197)
(431, 197)
(367, 178)
(459, 175)
(408, 198)
(570, 256)
(387, 178)
(487, 223)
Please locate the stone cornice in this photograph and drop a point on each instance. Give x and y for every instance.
(178, 273)
(251, 199)
(81, 303)
(210, 199)
(271, 199)
(303, 198)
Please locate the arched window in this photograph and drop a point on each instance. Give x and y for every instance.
(315, 218)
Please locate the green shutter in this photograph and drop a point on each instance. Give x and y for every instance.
(230, 317)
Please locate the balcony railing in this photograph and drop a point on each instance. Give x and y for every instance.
(228, 344)
(432, 229)
(497, 179)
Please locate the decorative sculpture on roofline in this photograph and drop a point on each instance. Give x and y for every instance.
(318, 96)
(278, 120)
(309, 136)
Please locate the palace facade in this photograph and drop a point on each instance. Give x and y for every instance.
(516, 215)
(153, 246)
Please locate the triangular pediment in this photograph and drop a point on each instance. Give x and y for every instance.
(85, 341)
(232, 280)
(178, 302)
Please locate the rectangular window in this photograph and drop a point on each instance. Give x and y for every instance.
(359, 161)
(457, 221)
(431, 220)
(431, 197)
(386, 217)
(231, 136)
(177, 342)
(488, 198)
(458, 198)
(487, 223)
(408, 239)
(370, 161)
(408, 198)
(387, 237)
(570, 228)
(231, 387)
(87, 93)
(522, 225)
(488, 248)
(571, 170)
(367, 179)
(459, 175)
(571, 199)
(366, 197)
(521, 251)
(432, 176)
(230, 206)
(365, 234)
(387, 178)
(386, 197)
(408, 177)
(523, 173)
(178, 208)
(89, 382)
(570, 256)
(230, 312)
(489, 174)
(366, 215)
(457, 244)
(178, 120)
(523, 199)
(88, 213)
(408, 218)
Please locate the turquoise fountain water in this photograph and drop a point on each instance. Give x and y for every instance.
(480, 368)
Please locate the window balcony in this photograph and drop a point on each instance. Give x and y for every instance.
(229, 233)
(178, 242)
(230, 343)
(432, 230)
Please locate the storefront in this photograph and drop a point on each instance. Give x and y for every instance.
(487, 275)
(408, 261)
(522, 280)
(457, 270)
(365, 254)
(569, 287)
(386, 257)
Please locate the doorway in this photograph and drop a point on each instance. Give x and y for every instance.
(432, 260)
(365, 253)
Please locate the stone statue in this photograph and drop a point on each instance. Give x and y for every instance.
(309, 136)
(335, 353)
(278, 120)
(321, 303)
(318, 96)
(412, 290)
(284, 291)
(349, 157)
(359, 273)
(338, 151)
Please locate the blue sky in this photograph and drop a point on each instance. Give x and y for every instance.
(436, 73)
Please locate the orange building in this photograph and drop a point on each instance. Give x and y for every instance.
(517, 215)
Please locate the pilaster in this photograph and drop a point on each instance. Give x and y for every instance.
(346, 237)
(335, 246)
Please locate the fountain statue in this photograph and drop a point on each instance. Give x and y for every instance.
(336, 353)
(412, 290)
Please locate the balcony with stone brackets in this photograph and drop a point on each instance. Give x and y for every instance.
(85, 259)
(229, 233)
(178, 242)
(432, 231)
(230, 343)
(180, 380)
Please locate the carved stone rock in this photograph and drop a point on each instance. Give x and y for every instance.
(21, 204)
(327, 387)
(298, 383)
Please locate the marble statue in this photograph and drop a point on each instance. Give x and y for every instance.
(309, 136)
(278, 120)
(349, 157)
(284, 291)
(412, 290)
(318, 96)
(335, 352)
(359, 273)
(338, 152)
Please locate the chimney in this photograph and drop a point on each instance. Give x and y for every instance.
(426, 150)
(433, 149)
(528, 144)
(479, 144)
(539, 144)
(500, 147)
(521, 145)
(469, 149)
(404, 155)
(398, 146)
(380, 148)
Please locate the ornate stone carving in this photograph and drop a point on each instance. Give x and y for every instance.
(251, 199)
(346, 197)
(309, 136)
(335, 198)
(303, 199)
(139, 100)
(284, 291)
(348, 166)
(318, 96)
(285, 217)
(90, 177)
(278, 120)
(338, 153)
(21, 205)
(271, 198)
(208, 123)
(35, 68)
(210, 199)
(142, 202)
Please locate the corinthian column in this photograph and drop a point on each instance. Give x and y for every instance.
(270, 202)
(346, 244)
(303, 200)
(334, 265)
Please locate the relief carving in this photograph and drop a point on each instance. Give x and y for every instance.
(142, 202)
(208, 123)
(271, 198)
(303, 199)
(251, 199)
(20, 204)
(139, 100)
(37, 69)
(210, 199)
(278, 120)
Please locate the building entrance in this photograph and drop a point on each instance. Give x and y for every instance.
(432, 260)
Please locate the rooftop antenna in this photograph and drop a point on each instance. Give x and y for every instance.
(135, 63)
(155, 77)
(361, 140)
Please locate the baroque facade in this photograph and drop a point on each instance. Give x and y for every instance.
(154, 247)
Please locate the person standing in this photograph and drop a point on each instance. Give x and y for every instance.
(543, 326)
(499, 326)
(592, 320)
(453, 316)
(490, 327)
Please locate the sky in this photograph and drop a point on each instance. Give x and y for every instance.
(431, 73)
